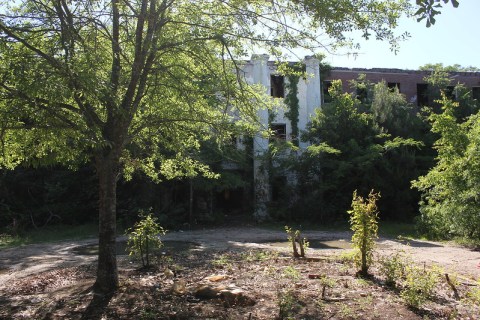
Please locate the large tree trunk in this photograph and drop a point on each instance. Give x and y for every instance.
(107, 273)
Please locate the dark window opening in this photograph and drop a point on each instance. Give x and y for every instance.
(362, 94)
(450, 92)
(476, 93)
(393, 85)
(279, 185)
(279, 131)
(277, 86)
(326, 95)
(422, 94)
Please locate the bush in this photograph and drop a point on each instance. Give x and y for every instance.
(144, 237)
(419, 285)
(393, 268)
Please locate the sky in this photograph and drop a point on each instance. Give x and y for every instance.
(454, 39)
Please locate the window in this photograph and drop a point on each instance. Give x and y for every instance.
(393, 85)
(422, 94)
(279, 185)
(450, 92)
(326, 95)
(476, 93)
(279, 131)
(362, 94)
(277, 88)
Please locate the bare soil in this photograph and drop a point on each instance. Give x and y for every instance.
(53, 281)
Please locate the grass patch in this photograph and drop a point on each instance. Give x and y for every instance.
(50, 234)
(306, 226)
(398, 229)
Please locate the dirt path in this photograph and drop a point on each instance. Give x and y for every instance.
(23, 261)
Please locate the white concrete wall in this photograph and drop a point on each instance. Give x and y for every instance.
(258, 71)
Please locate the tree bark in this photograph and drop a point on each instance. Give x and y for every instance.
(107, 165)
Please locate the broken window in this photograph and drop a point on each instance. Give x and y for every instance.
(422, 94)
(393, 85)
(476, 93)
(450, 92)
(277, 86)
(362, 94)
(279, 131)
(326, 95)
(279, 185)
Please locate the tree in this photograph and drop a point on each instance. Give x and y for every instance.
(359, 146)
(450, 198)
(428, 9)
(135, 85)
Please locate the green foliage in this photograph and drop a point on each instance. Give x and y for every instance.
(295, 237)
(473, 295)
(291, 273)
(393, 268)
(363, 220)
(287, 304)
(51, 233)
(260, 255)
(428, 9)
(291, 100)
(419, 285)
(144, 237)
(450, 201)
(222, 261)
(359, 145)
(326, 282)
(141, 90)
(441, 83)
(451, 68)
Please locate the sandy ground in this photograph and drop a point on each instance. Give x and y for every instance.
(22, 261)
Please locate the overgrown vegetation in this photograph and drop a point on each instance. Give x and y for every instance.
(450, 201)
(420, 285)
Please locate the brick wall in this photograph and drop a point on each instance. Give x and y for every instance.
(408, 79)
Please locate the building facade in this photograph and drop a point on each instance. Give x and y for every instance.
(312, 93)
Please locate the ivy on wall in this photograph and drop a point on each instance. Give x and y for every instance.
(291, 100)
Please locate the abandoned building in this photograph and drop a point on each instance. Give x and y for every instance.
(312, 92)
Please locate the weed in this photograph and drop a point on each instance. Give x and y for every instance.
(148, 314)
(326, 282)
(363, 282)
(345, 311)
(363, 221)
(222, 261)
(473, 295)
(291, 273)
(347, 257)
(393, 268)
(287, 304)
(419, 285)
(365, 303)
(259, 255)
(295, 237)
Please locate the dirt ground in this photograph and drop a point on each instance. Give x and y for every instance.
(26, 260)
(53, 281)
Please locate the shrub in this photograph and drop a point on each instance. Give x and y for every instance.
(295, 237)
(288, 304)
(363, 221)
(419, 285)
(393, 268)
(144, 237)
